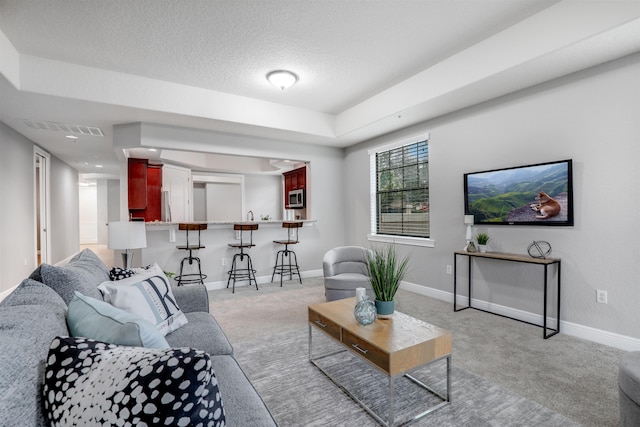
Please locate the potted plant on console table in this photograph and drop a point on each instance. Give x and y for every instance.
(482, 239)
(386, 271)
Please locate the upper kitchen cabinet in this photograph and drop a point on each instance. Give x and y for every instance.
(137, 175)
(144, 189)
(295, 180)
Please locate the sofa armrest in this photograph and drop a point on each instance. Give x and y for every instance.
(192, 297)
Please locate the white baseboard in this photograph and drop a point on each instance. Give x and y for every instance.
(573, 329)
(222, 284)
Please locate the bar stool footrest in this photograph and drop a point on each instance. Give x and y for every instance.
(190, 278)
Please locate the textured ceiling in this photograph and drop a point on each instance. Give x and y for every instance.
(343, 51)
(365, 67)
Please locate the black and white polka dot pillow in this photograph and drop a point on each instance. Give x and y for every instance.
(117, 273)
(89, 382)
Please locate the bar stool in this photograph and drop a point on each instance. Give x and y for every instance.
(237, 272)
(191, 277)
(290, 267)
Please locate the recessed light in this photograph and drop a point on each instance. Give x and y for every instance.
(99, 166)
(71, 136)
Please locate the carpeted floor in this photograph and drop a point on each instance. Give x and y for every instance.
(571, 377)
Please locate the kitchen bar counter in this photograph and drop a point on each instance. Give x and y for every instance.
(161, 225)
(163, 237)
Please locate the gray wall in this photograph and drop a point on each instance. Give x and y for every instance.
(17, 223)
(592, 117)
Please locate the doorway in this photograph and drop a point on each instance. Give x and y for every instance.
(41, 160)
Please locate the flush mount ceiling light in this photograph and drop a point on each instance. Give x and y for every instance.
(282, 78)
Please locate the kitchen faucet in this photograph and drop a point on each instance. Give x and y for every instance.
(250, 213)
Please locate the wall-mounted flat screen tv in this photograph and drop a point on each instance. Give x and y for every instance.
(540, 194)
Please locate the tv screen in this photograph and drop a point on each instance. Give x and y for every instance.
(540, 194)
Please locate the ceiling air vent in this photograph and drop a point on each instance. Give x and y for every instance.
(62, 127)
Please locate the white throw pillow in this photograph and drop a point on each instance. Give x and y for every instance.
(147, 295)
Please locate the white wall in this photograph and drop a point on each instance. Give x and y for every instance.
(263, 195)
(592, 117)
(17, 223)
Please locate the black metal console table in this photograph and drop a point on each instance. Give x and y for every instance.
(545, 262)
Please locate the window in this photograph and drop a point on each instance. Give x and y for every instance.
(400, 191)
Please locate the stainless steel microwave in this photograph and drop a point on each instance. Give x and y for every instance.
(296, 199)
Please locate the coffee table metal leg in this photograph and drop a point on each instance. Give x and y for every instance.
(391, 401)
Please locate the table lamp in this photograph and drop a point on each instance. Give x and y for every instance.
(127, 236)
(468, 220)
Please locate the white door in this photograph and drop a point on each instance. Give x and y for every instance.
(41, 196)
(88, 215)
(176, 186)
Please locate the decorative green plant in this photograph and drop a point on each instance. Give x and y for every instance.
(482, 238)
(386, 271)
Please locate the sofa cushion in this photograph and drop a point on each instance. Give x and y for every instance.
(96, 319)
(629, 375)
(242, 404)
(88, 382)
(30, 292)
(202, 332)
(83, 273)
(148, 295)
(27, 331)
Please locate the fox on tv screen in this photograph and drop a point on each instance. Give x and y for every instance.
(540, 194)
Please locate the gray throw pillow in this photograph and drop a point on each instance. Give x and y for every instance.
(83, 273)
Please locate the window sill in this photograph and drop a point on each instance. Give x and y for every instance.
(402, 240)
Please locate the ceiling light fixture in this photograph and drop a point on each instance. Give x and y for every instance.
(71, 136)
(282, 78)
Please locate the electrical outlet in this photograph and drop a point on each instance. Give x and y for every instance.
(449, 271)
(224, 262)
(601, 296)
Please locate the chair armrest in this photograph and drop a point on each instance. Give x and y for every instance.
(192, 297)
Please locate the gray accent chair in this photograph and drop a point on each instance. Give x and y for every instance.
(345, 269)
(629, 389)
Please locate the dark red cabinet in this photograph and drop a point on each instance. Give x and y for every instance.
(145, 189)
(137, 184)
(294, 180)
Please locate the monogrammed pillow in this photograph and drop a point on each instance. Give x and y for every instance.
(88, 383)
(147, 295)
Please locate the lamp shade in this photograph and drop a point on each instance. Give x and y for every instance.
(468, 219)
(127, 235)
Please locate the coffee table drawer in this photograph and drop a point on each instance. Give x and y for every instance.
(325, 324)
(366, 350)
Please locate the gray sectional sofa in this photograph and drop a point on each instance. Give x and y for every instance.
(35, 313)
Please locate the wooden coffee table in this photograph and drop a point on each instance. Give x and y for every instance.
(396, 346)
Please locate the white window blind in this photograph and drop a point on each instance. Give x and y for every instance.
(400, 190)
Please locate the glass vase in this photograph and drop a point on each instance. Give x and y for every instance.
(365, 311)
